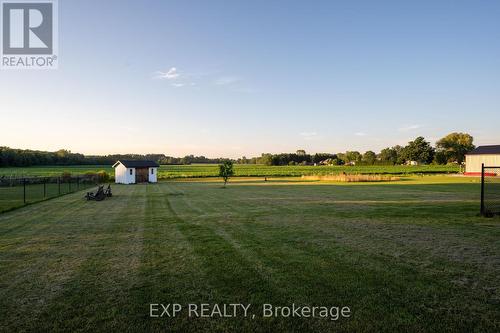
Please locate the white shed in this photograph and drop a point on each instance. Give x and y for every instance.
(487, 155)
(132, 172)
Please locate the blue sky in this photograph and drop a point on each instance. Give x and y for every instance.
(233, 78)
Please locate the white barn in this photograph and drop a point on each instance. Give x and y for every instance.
(489, 155)
(132, 172)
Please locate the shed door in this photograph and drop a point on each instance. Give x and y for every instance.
(141, 175)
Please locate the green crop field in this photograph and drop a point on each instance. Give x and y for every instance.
(210, 170)
(410, 256)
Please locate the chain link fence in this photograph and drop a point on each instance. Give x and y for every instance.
(490, 190)
(17, 191)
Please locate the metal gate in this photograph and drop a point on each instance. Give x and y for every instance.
(490, 190)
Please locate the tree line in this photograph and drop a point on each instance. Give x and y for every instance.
(450, 149)
(10, 157)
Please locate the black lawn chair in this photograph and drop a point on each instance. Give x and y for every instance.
(98, 196)
(108, 191)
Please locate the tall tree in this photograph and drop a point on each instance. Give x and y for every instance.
(440, 157)
(226, 170)
(319, 157)
(352, 156)
(266, 159)
(369, 157)
(418, 150)
(454, 146)
(390, 155)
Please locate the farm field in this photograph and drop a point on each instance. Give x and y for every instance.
(211, 170)
(406, 256)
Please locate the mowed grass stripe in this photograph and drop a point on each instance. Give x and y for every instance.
(292, 275)
(228, 276)
(98, 294)
(296, 266)
(269, 261)
(78, 255)
(420, 280)
(31, 271)
(26, 246)
(170, 270)
(24, 218)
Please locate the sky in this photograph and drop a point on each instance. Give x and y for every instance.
(240, 78)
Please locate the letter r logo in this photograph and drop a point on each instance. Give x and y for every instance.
(27, 27)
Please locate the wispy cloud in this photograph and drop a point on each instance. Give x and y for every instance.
(360, 134)
(185, 79)
(308, 135)
(409, 128)
(171, 74)
(226, 80)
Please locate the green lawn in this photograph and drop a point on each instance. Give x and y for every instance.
(211, 170)
(14, 196)
(409, 256)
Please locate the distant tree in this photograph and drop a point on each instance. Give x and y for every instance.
(352, 156)
(369, 157)
(454, 146)
(226, 170)
(399, 153)
(440, 157)
(391, 155)
(388, 155)
(266, 159)
(341, 157)
(320, 157)
(337, 161)
(418, 150)
(301, 152)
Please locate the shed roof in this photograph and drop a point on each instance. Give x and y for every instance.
(486, 150)
(137, 164)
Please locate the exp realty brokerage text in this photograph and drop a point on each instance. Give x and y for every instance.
(232, 310)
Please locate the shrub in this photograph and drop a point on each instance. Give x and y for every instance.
(65, 176)
(103, 176)
(355, 178)
(226, 170)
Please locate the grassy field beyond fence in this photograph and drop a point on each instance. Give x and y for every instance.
(17, 192)
(242, 170)
(11, 197)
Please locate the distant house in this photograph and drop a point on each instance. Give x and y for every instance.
(132, 172)
(487, 155)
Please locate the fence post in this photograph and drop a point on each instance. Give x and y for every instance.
(77, 183)
(24, 190)
(69, 185)
(59, 184)
(482, 189)
(44, 187)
